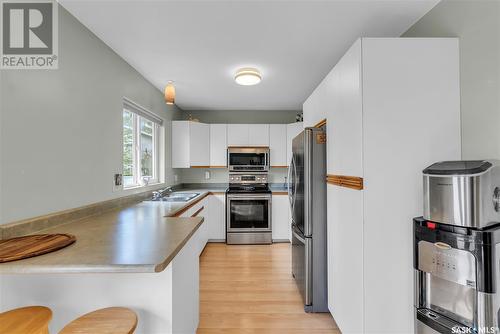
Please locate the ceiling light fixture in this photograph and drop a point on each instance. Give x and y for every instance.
(170, 93)
(247, 76)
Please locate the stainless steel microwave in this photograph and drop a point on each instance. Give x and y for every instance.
(248, 159)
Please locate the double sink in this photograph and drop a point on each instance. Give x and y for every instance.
(176, 197)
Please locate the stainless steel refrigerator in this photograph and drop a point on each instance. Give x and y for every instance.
(307, 194)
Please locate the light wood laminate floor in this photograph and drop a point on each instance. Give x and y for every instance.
(250, 289)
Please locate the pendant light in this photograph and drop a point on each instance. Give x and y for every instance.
(170, 93)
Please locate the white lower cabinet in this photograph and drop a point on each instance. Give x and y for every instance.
(345, 258)
(214, 214)
(216, 227)
(281, 218)
(201, 235)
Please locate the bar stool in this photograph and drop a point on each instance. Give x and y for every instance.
(112, 320)
(26, 320)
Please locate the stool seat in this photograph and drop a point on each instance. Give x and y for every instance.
(26, 320)
(112, 320)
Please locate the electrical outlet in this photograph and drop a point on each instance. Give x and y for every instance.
(207, 175)
(117, 182)
(118, 179)
(176, 178)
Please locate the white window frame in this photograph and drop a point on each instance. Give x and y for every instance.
(137, 116)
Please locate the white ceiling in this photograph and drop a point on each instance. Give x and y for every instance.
(200, 44)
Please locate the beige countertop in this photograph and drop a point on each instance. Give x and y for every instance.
(142, 238)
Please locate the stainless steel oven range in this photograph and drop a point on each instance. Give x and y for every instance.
(248, 206)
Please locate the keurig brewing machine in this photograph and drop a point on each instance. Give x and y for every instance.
(456, 249)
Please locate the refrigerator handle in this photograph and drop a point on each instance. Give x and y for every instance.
(289, 177)
(292, 190)
(295, 181)
(298, 236)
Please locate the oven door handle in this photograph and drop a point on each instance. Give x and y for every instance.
(249, 196)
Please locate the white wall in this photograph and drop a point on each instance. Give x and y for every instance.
(60, 130)
(477, 25)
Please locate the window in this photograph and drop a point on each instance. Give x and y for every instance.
(141, 153)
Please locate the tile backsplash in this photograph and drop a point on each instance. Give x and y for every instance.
(198, 175)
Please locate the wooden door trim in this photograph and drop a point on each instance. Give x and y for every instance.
(353, 182)
(320, 123)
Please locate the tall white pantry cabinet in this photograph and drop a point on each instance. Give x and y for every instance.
(392, 107)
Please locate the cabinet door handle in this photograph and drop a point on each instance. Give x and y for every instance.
(197, 212)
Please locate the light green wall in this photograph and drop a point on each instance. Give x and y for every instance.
(242, 116)
(477, 24)
(219, 175)
(61, 129)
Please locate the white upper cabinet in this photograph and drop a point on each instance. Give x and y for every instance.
(344, 151)
(196, 144)
(314, 108)
(237, 135)
(199, 144)
(277, 145)
(248, 134)
(218, 145)
(258, 134)
(180, 144)
(190, 144)
(292, 130)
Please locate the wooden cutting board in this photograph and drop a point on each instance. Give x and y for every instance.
(33, 245)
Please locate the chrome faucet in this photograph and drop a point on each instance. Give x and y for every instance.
(157, 194)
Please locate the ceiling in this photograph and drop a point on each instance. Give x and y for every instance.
(200, 44)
